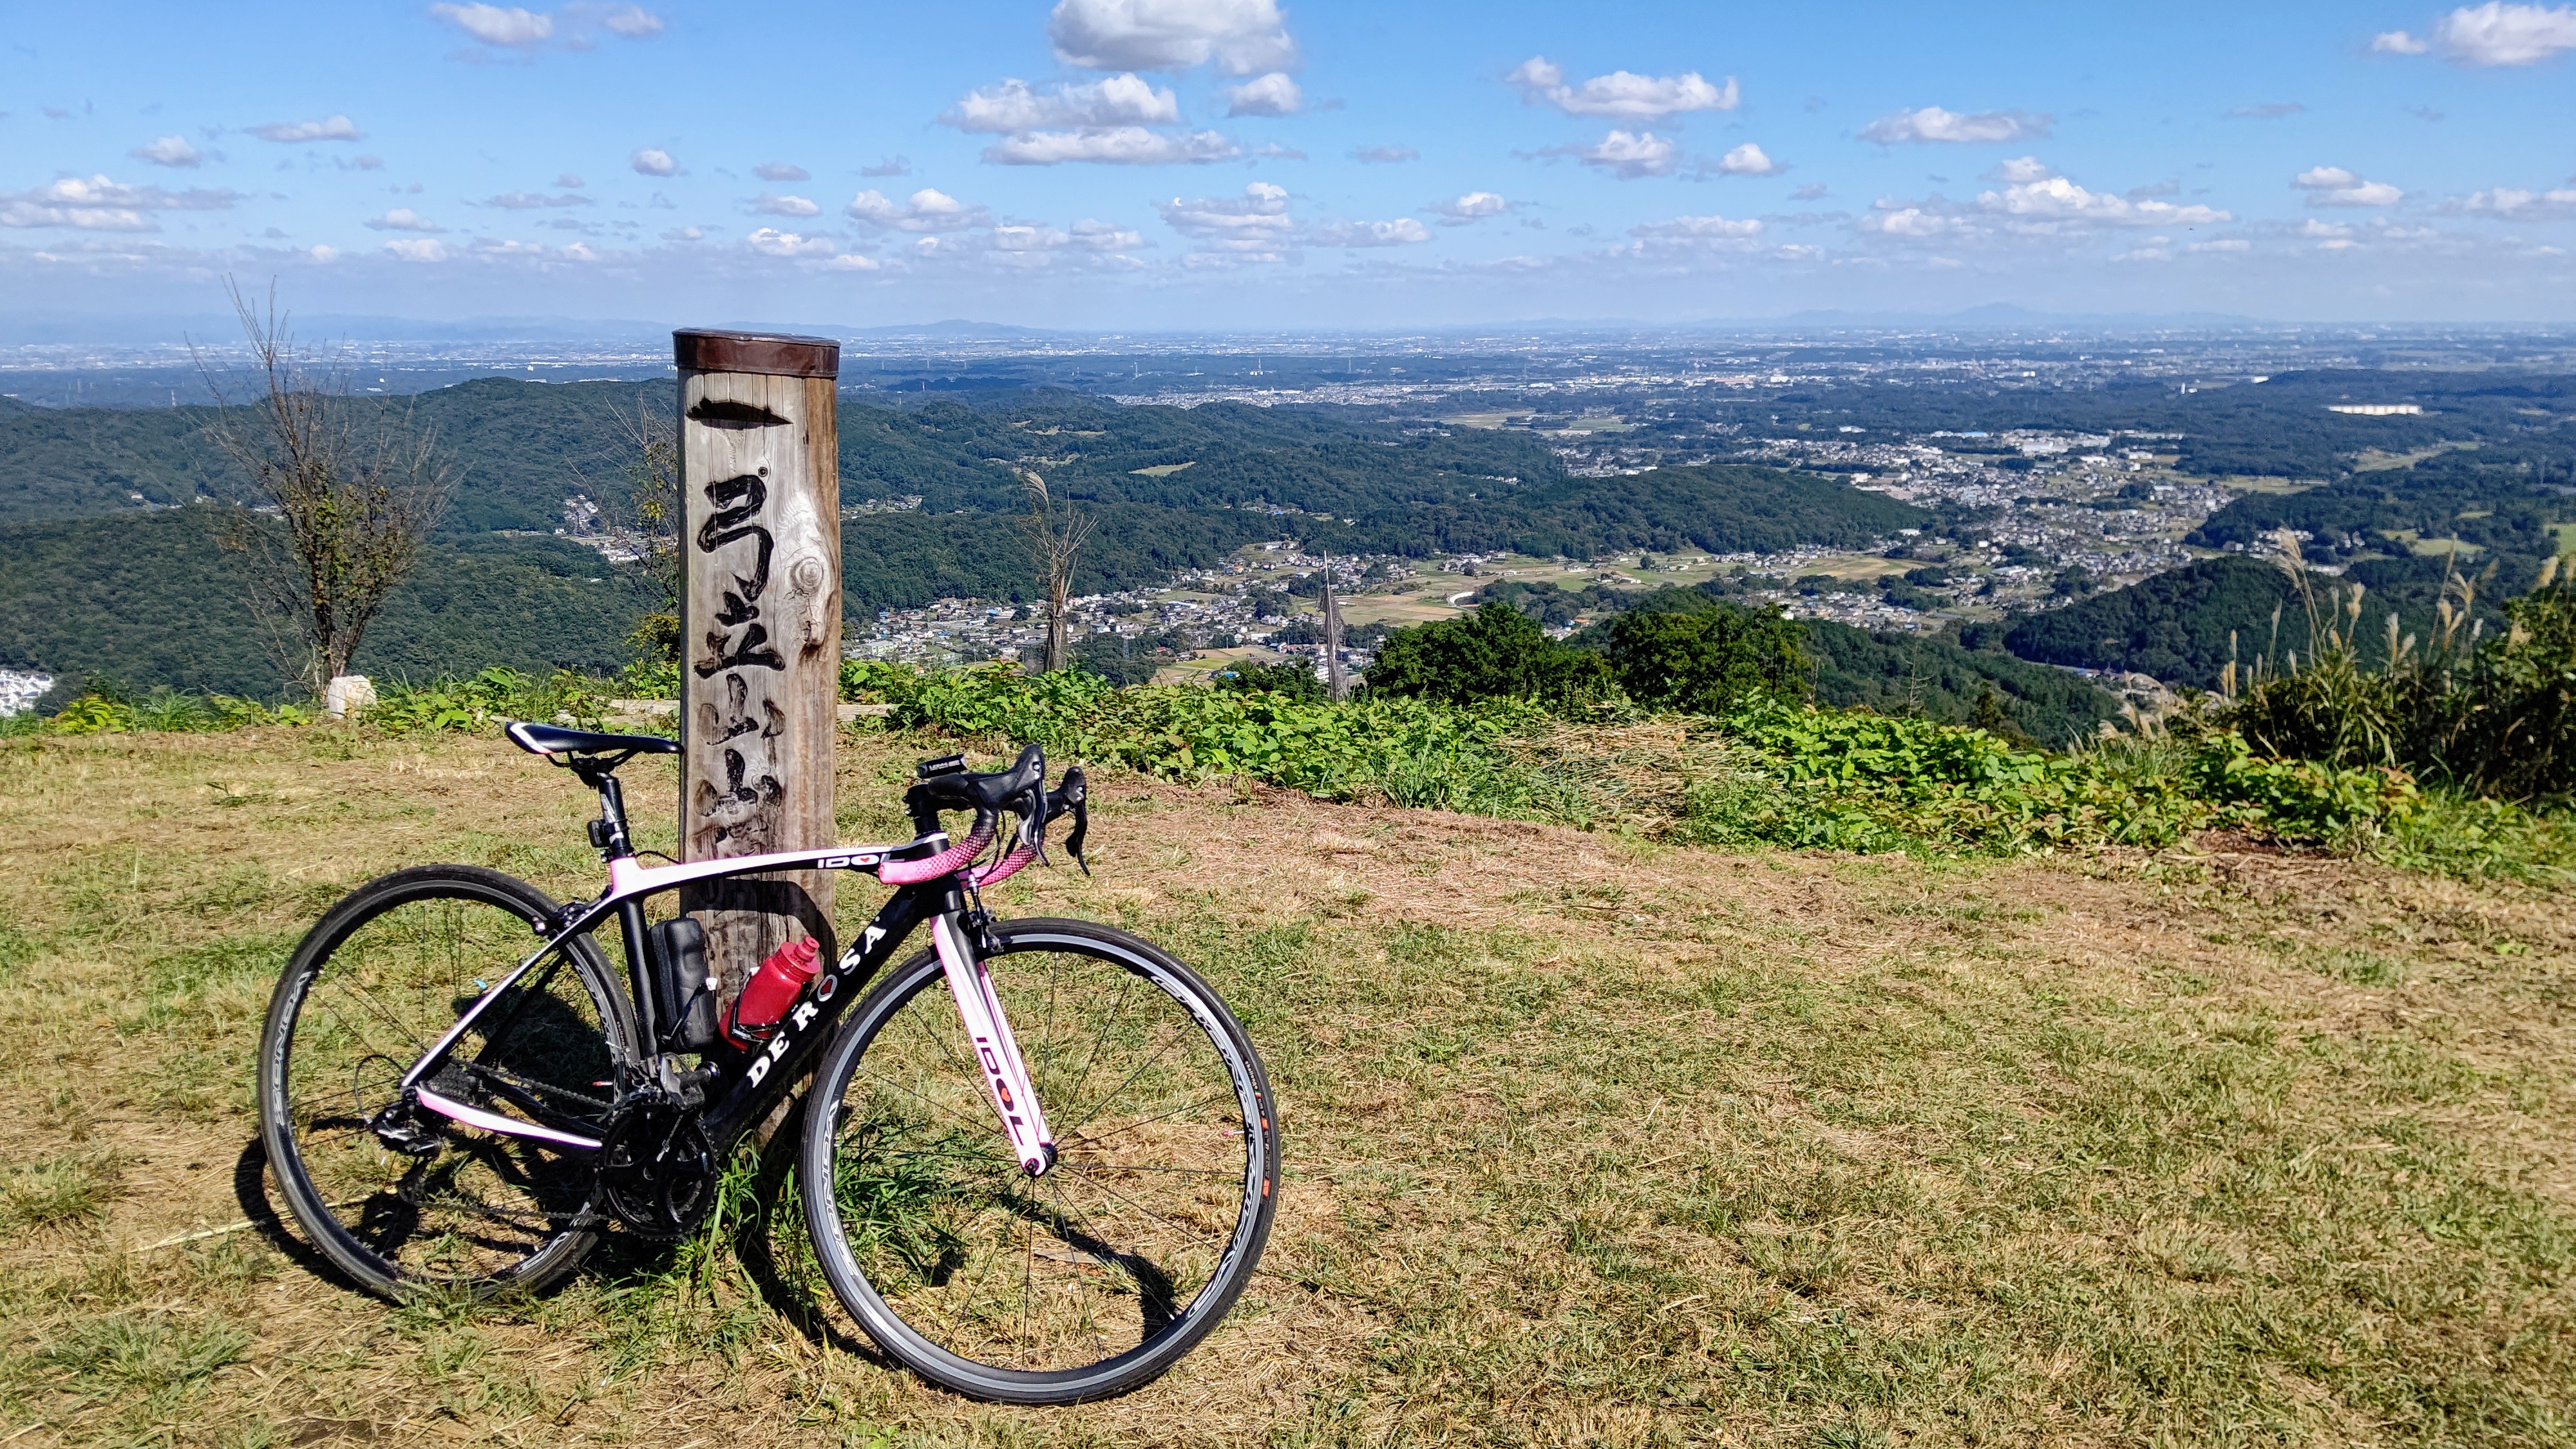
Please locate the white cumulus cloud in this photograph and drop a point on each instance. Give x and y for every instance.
(1628, 156)
(1698, 228)
(168, 151)
(1015, 105)
(1111, 146)
(2335, 186)
(1270, 95)
(2399, 42)
(417, 249)
(1748, 160)
(768, 204)
(634, 22)
(771, 242)
(2057, 199)
(653, 162)
(512, 28)
(2516, 201)
(781, 171)
(337, 128)
(1911, 221)
(403, 218)
(925, 211)
(95, 203)
(1254, 228)
(2500, 34)
(1622, 95)
(1241, 37)
(1472, 207)
(853, 262)
(1086, 235)
(1403, 231)
(1935, 124)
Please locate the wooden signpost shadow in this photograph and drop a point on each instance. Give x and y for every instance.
(760, 629)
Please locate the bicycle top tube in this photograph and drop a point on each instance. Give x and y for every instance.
(629, 878)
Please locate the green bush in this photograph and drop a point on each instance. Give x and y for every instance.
(1773, 771)
(2510, 728)
(1704, 662)
(487, 700)
(1293, 679)
(2497, 718)
(1496, 652)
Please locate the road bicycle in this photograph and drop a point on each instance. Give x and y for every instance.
(1043, 1183)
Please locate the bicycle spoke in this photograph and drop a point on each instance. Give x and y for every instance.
(1080, 1175)
(483, 1204)
(1112, 1094)
(1150, 1121)
(1092, 1058)
(1108, 1252)
(970, 1122)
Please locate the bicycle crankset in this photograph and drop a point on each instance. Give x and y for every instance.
(657, 1169)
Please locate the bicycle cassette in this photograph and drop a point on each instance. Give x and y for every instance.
(657, 1170)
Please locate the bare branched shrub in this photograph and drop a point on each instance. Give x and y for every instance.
(354, 487)
(1057, 531)
(651, 507)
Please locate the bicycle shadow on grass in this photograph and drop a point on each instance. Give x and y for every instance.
(775, 1251)
(759, 1223)
(266, 1218)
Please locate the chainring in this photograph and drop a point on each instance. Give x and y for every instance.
(657, 1170)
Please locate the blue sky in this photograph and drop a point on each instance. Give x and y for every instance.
(1242, 163)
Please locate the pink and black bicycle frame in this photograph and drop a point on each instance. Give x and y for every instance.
(933, 878)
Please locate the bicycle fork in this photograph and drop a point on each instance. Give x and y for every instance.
(1006, 1076)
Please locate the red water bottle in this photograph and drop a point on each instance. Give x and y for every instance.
(771, 990)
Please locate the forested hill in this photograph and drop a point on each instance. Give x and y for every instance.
(1342, 478)
(2176, 626)
(154, 599)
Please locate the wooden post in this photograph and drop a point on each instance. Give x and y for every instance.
(760, 630)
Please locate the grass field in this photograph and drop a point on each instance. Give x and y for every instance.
(1588, 1141)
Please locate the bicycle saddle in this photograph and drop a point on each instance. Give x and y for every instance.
(546, 739)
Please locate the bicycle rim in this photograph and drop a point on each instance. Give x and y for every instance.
(1096, 1276)
(376, 983)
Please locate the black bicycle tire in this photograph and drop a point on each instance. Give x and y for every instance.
(1109, 1377)
(560, 1254)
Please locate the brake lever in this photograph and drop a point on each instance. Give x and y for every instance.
(1032, 810)
(1072, 795)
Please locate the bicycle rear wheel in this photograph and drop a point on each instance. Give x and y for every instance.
(377, 981)
(1096, 1276)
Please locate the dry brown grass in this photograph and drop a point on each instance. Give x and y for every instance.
(1589, 1141)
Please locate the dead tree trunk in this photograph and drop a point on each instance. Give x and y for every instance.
(760, 629)
(1334, 684)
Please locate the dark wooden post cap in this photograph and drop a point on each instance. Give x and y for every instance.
(699, 350)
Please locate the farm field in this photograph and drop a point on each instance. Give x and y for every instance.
(1589, 1141)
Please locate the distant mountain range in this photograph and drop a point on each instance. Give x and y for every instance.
(63, 329)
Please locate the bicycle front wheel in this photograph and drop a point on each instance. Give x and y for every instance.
(1096, 1276)
(381, 977)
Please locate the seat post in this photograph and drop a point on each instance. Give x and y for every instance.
(610, 833)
